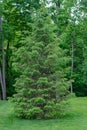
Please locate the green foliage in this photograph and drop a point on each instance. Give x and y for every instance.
(41, 86)
(16, 15)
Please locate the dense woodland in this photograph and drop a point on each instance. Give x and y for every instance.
(43, 54)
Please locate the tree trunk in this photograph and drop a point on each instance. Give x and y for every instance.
(1, 83)
(2, 71)
(72, 56)
(72, 65)
(57, 11)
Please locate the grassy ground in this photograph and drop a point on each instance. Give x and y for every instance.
(75, 120)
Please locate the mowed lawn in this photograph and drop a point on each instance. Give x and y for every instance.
(76, 118)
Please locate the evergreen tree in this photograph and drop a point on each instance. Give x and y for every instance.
(42, 86)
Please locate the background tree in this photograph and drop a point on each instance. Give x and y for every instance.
(74, 33)
(2, 65)
(16, 15)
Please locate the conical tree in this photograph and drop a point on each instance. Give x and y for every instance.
(42, 86)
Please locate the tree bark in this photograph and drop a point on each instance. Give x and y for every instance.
(57, 11)
(2, 71)
(1, 84)
(72, 64)
(72, 56)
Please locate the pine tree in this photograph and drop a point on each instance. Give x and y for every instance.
(42, 86)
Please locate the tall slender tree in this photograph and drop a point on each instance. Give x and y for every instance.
(2, 69)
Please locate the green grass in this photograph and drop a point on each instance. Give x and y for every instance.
(76, 118)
